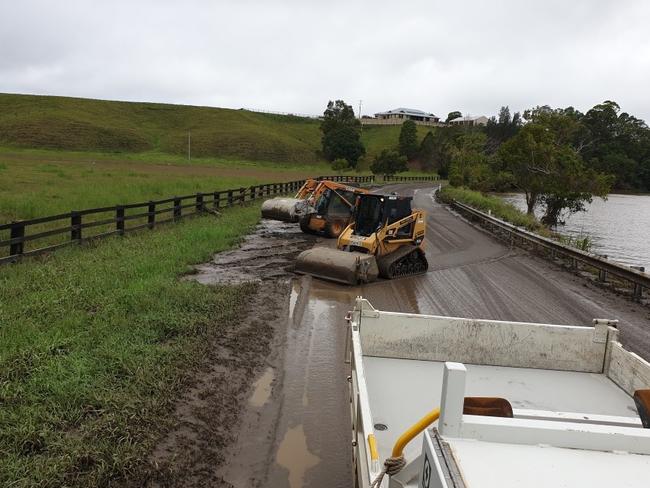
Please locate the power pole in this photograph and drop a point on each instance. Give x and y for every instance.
(189, 146)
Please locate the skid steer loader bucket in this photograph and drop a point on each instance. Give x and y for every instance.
(284, 209)
(341, 266)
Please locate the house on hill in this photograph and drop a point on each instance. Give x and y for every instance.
(403, 114)
(398, 115)
(470, 121)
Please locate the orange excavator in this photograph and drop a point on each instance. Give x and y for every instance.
(322, 207)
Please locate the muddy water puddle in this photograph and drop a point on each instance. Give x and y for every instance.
(294, 455)
(266, 254)
(262, 389)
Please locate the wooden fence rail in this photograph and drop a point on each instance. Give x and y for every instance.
(95, 223)
(411, 178)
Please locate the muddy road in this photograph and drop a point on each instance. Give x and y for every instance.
(293, 425)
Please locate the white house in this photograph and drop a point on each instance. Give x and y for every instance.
(401, 114)
(471, 121)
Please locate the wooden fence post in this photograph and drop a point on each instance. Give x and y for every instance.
(199, 203)
(230, 198)
(177, 208)
(217, 197)
(17, 231)
(119, 219)
(242, 195)
(75, 226)
(151, 215)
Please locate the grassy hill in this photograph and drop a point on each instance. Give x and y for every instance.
(76, 124)
(44, 122)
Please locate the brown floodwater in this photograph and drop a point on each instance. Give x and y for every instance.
(619, 227)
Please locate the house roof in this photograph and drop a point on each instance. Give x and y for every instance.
(467, 118)
(407, 111)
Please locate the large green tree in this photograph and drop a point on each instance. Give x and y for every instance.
(427, 152)
(453, 115)
(619, 144)
(341, 133)
(500, 129)
(408, 140)
(549, 169)
(469, 163)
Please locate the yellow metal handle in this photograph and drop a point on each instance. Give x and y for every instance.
(372, 444)
(413, 431)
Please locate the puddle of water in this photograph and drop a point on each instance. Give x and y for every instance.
(294, 455)
(267, 254)
(293, 299)
(262, 389)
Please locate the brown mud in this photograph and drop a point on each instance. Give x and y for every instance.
(240, 373)
(279, 407)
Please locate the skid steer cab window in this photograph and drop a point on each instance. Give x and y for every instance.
(369, 215)
(337, 206)
(398, 209)
(323, 202)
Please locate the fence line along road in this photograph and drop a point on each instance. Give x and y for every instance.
(96, 223)
(637, 279)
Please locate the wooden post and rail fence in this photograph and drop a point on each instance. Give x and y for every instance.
(96, 223)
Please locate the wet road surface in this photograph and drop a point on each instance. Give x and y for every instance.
(301, 435)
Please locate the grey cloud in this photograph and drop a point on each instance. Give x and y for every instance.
(295, 55)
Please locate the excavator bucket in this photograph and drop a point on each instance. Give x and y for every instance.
(284, 209)
(351, 268)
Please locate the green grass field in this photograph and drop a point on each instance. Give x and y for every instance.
(95, 345)
(51, 182)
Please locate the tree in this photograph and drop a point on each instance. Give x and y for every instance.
(469, 163)
(427, 152)
(453, 115)
(618, 144)
(500, 129)
(388, 162)
(340, 164)
(341, 133)
(408, 140)
(549, 169)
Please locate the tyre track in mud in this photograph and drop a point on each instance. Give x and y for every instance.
(297, 431)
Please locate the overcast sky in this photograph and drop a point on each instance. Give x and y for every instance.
(294, 55)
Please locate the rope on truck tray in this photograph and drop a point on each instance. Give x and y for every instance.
(396, 462)
(392, 466)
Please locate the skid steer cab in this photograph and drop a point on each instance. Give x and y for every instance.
(383, 239)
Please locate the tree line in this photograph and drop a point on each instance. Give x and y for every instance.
(558, 157)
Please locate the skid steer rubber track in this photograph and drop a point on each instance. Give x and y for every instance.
(346, 267)
(406, 261)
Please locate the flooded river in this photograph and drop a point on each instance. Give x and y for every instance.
(619, 226)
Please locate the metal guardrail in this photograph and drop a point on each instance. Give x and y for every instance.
(638, 279)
